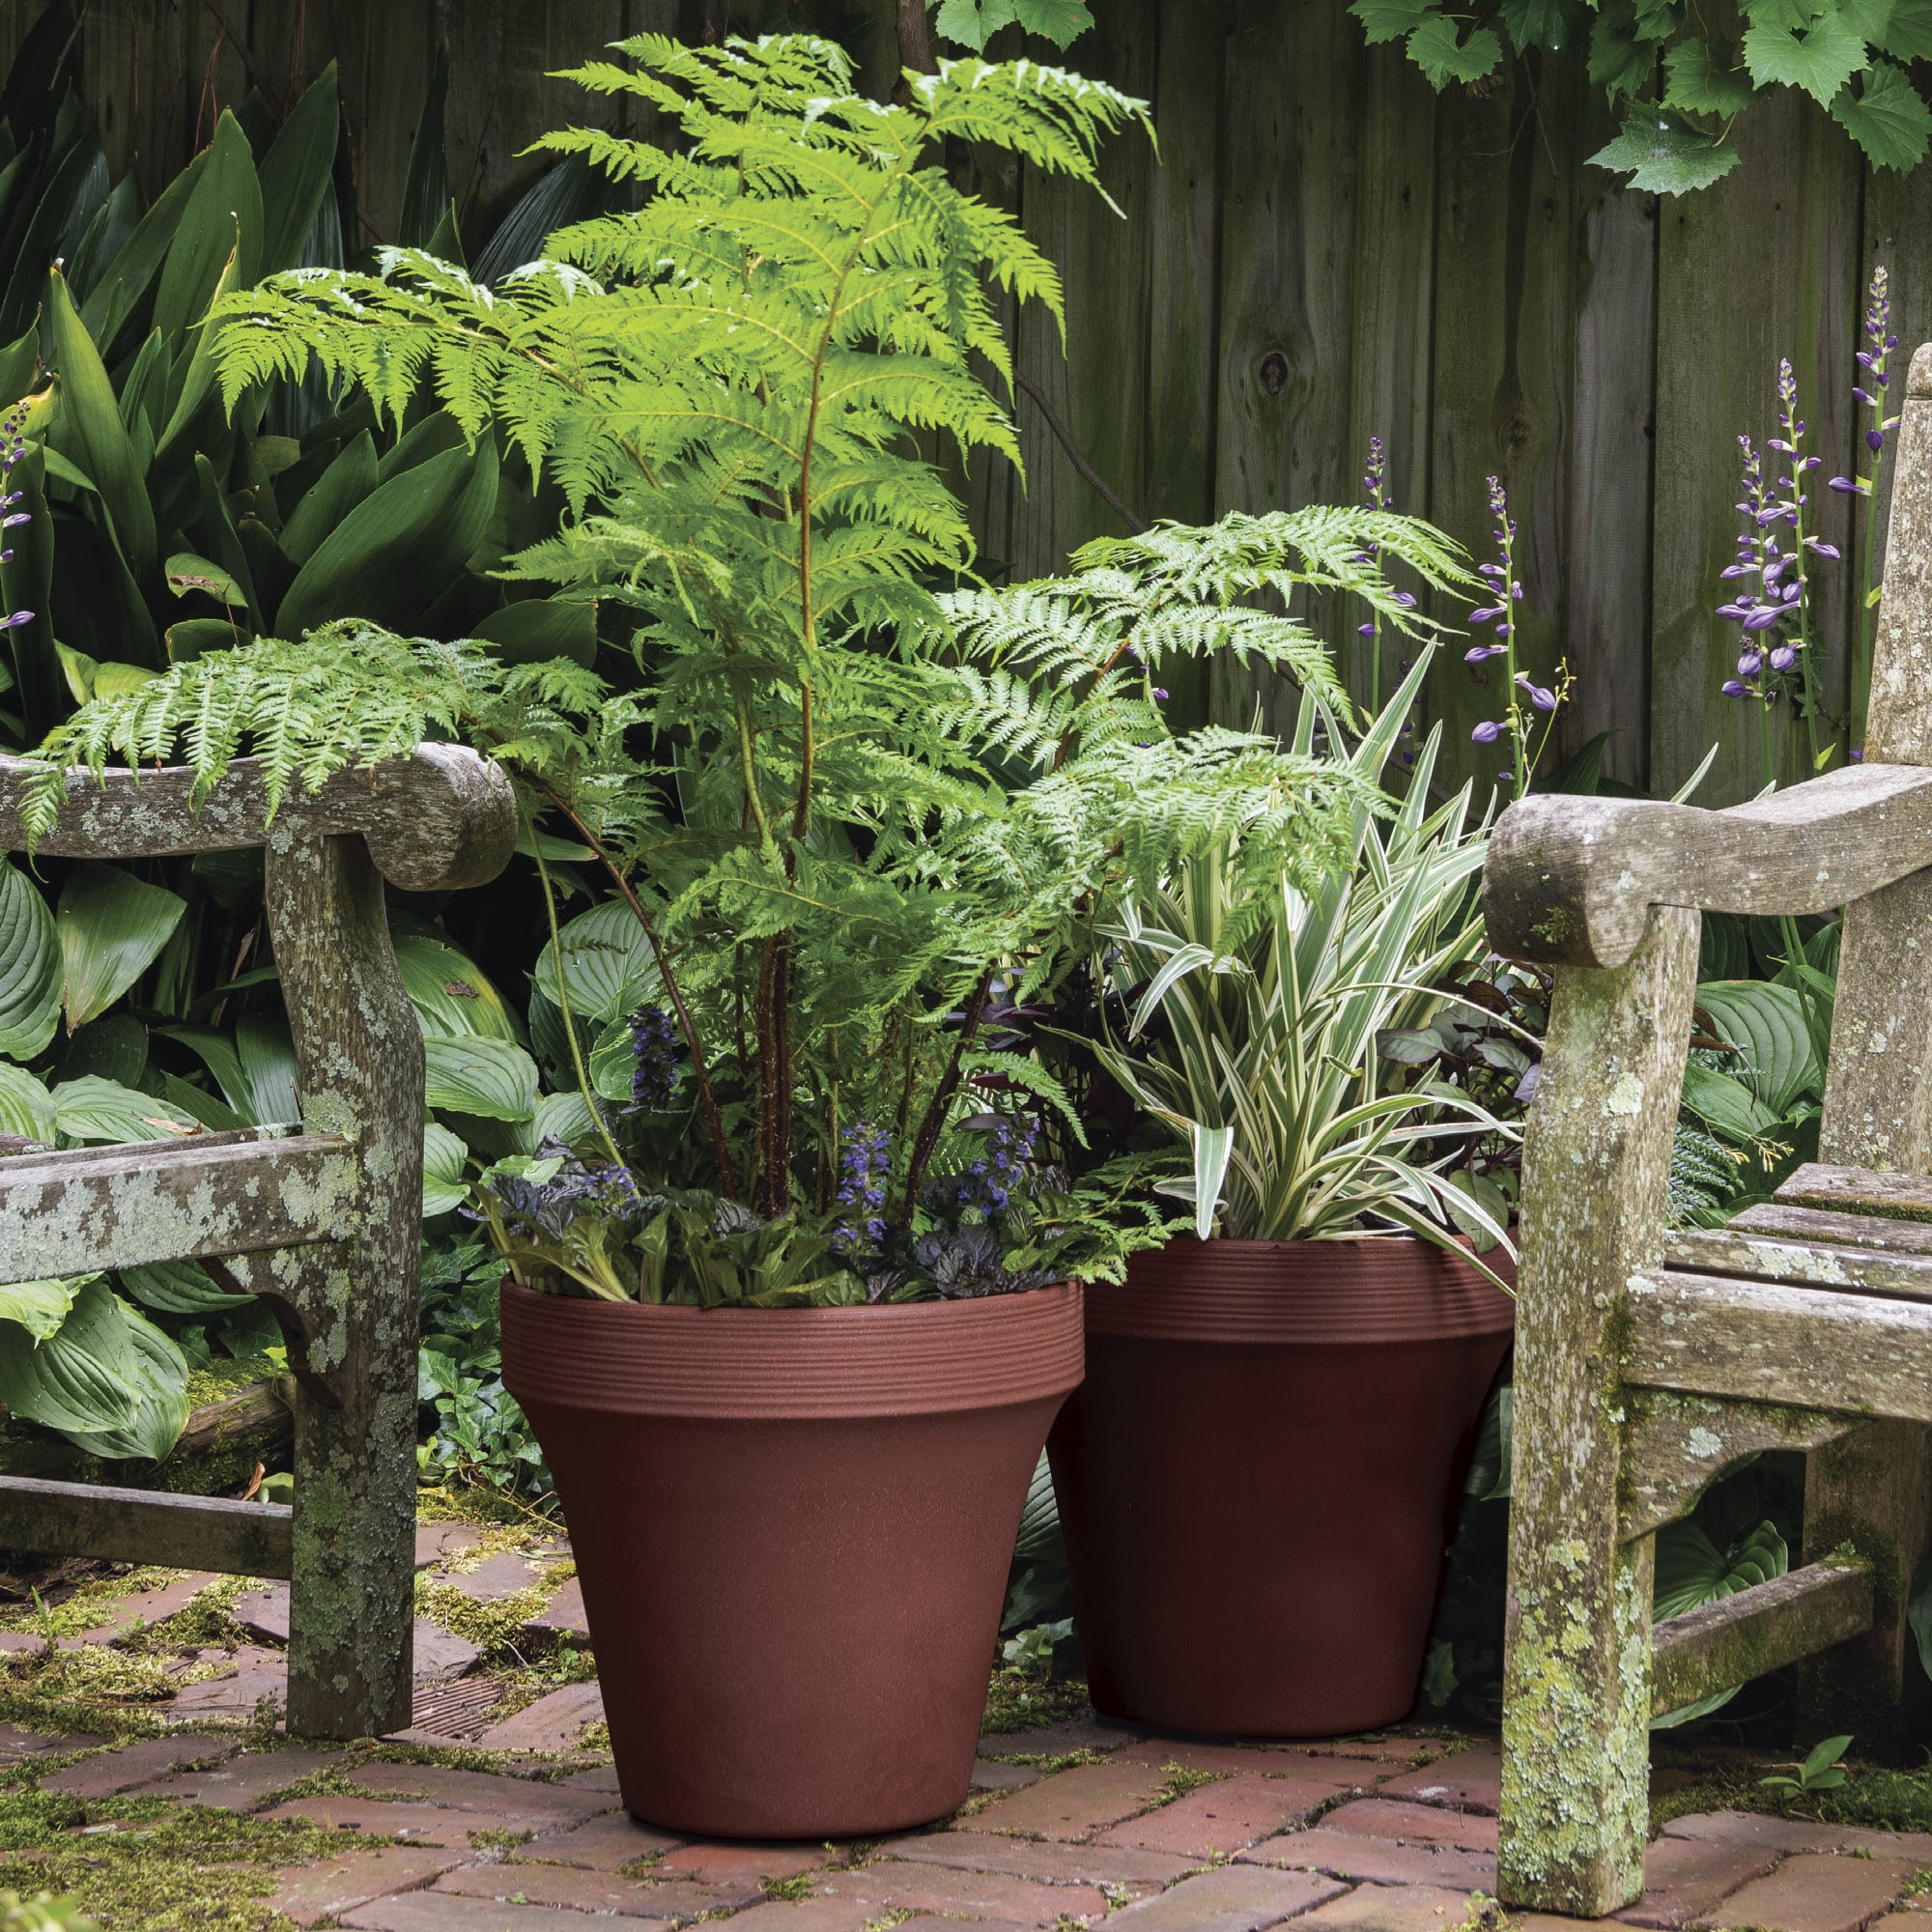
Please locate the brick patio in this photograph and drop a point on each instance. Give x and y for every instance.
(1074, 1822)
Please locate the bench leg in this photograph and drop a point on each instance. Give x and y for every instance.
(1873, 1490)
(359, 1051)
(1575, 1810)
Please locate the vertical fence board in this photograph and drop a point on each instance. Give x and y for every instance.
(1761, 266)
(1288, 242)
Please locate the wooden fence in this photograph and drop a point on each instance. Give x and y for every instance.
(1323, 251)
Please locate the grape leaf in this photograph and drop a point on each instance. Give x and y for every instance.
(1060, 21)
(1434, 47)
(974, 22)
(1907, 33)
(1533, 23)
(1619, 64)
(1821, 63)
(1868, 20)
(1887, 118)
(1666, 157)
(1658, 19)
(1392, 20)
(1794, 15)
(1703, 81)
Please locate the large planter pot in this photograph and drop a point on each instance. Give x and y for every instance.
(1260, 1478)
(792, 1529)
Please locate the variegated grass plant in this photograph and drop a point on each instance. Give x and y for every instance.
(1255, 1020)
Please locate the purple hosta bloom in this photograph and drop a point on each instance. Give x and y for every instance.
(1486, 732)
(864, 1166)
(1539, 695)
(1783, 657)
(1875, 379)
(1373, 478)
(655, 1051)
(1504, 590)
(13, 446)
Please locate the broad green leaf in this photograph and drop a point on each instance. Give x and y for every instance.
(1821, 60)
(1060, 21)
(1533, 23)
(1766, 1023)
(118, 293)
(296, 172)
(1702, 81)
(609, 968)
(26, 1107)
(535, 628)
(40, 1307)
(1621, 64)
(266, 1054)
(195, 637)
(179, 1288)
(83, 1376)
(1435, 48)
(93, 432)
(330, 498)
(469, 1075)
(1692, 1571)
(448, 990)
(107, 233)
(114, 1047)
(612, 1061)
(187, 573)
(192, 387)
(444, 1158)
(1907, 31)
(30, 966)
(111, 926)
(223, 217)
(1385, 20)
(1664, 157)
(217, 1052)
(74, 191)
(196, 1103)
(1887, 118)
(973, 22)
(426, 186)
(91, 1109)
(399, 546)
(159, 1378)
(564, 1117)
(1726, 1105)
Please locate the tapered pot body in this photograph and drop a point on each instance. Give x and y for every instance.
(792, 1529)
(1260, 1477)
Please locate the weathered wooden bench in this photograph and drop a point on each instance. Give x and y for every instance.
(323, 1218)
(1648, 1361)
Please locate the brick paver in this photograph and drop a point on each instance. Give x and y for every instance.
(1259, 1761)
(547, 1805)
(709, 1862)
(553, 1723)
(439, 1912)
(1685, 1878)
(898, 1885)
(412, 1823)
(1053, 1864)
(437, 1540)
(1392, 1908)
(243, 1782)
(1235, 1899)
(339, 1885)
(601, 1843)
(564, 1616)
(264, 1613)
(1409, 1824)
(135, 1764)
(1222, 1816)
(1467, 1779)
(581, 1890)
(142, 1607)
(1075, 1802)
(1816, 1892)
(1799, 1835)
(1384, 1861)
(495, 1577)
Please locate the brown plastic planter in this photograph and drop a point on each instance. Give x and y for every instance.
(1260, 1477)
(792, 1527)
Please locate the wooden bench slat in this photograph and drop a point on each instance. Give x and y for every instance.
(146, 1526)
(1860, 1190)
(1807, 1348)
(1849, 1271)
(69, 1213)
(1833, 1229)
(1757, 1630)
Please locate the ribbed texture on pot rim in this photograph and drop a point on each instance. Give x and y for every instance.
(1354, 1291)
(747, 1364)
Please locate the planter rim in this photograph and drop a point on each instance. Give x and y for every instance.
(761, 1364)
(1336, 1291)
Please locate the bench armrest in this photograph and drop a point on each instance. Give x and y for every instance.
(439, 819)
(1570, 881)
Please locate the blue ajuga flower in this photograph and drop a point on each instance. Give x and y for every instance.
(865, 1164)
(549, 1206)
(655, 1060)
(988, 1182)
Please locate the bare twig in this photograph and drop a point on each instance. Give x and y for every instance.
(256, 77)
(1064, 435)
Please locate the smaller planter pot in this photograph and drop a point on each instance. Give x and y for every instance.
(792, 1529)
(1259, 1479)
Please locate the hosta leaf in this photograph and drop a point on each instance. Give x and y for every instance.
(564, 1117)
(1692, 1571)
(81, 1378)
(1766, 1023)
(448, 990)
(179, 1288)
(158, 1376)
(111, 926)
(1820, 59)
(26, 1107)
(443, 1160)
(609, 968)
(1435, 48)
(1887, 118)
(40, 1307)
(612, 1061)
(469, 1075)
(114, 1047)
(1664, 157)
(30, 966)
(267, 1058)
(1726, 1105)
(92, 1109)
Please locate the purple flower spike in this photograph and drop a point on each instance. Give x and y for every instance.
(1486, 732)
(1783, 658)
(1482, 653)
(1819, 547)
(1731, 688)
(14, 619)
(1488, 614)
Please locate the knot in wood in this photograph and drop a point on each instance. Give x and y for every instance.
(1274, 373)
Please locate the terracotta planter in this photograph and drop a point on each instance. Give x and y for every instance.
(792, 1529)
(1260, 1477)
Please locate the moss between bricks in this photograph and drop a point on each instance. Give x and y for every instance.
(1018, 1700)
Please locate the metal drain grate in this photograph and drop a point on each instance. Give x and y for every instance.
(459, 1710)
